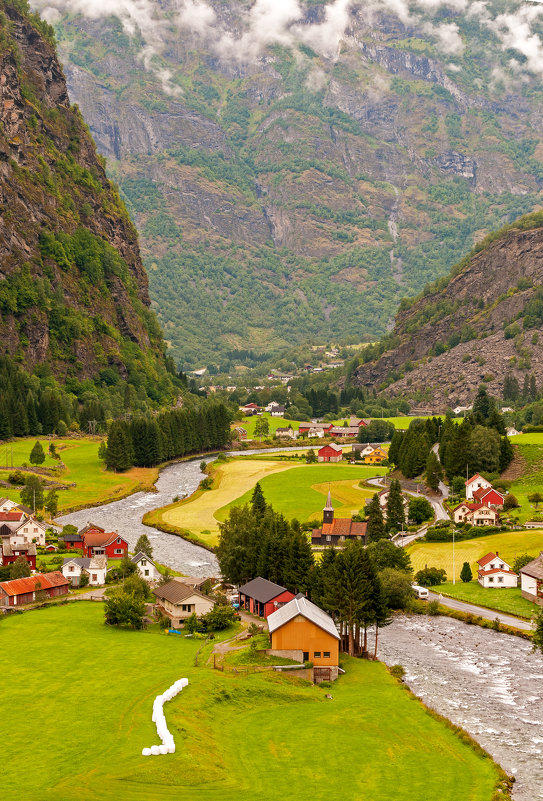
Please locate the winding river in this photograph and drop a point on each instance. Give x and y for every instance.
(489, 683)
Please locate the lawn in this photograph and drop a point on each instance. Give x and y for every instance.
(290, 488)
(94, 484)
(531, 449)
(503, 600)
(509, 545)
(238, 737)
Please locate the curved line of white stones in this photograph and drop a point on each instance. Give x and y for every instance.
(168, 745)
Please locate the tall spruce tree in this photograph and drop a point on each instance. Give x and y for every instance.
(434, 471)
(37, 455)
(258, 502)
(119, 447)
(376, 526)
(395, 519)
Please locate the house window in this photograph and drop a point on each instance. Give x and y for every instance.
(94, 577)
(72, 568)
(145, 572)
(186, 607)
(491, 579)
(118, 540)
(143, 562)
(326, 654)
(328, 538)
(500, 579)
(118, 550)
(317, 655)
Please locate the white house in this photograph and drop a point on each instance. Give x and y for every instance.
(146, 567)
(286, 433)
(531, 580)
(95, 567)
(478, 514)
(512, 431)
(178, 601)
(31, 530)
(277, 411)
(474, 483)
(495, 572)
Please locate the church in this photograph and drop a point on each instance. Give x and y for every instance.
(337, 530)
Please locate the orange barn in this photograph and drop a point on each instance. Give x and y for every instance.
(301, 630)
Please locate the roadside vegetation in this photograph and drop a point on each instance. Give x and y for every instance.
(508, 600)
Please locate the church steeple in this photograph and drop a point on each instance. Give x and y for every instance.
(328, 511)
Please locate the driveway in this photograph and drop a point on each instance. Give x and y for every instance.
(480, 611)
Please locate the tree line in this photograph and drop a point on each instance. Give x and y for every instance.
(148, 440)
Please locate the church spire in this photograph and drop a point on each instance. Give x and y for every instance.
(328, 511)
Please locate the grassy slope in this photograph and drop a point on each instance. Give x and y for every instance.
(531, 449)
(504, 600)
(248, 423)
(509, 544)
(94, 485)
(289, 488)
(238, 737)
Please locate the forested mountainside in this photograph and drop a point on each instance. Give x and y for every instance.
(480, 325)
(294, 183)
(74, 302)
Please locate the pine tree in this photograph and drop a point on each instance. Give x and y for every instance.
(465, 574)
(258, 502)
(434, 472)
(119, 456)
(376, 526)
(299, 562)
(395, 509)
(506, 453)
(5, 421)
(143, 545)
(395, 446)
(37, 455)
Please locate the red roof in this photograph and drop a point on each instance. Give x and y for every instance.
(24, 585)
(342, 527)
(334, 448)
(484, 560)
(496, 570)
(482, 493)
(10, 516)
(472, 479)
(94, 538)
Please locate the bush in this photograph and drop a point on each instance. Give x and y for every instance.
(431, 576)
(17, 477)
(432, 608)
(397, 671)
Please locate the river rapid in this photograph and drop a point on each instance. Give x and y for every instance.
(490, 684)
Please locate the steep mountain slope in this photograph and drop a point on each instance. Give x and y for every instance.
(479, 325)
(73, 291)
(297, 192)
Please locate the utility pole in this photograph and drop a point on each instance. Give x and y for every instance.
(454, 576)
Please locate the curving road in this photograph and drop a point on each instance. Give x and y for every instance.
(481, 611)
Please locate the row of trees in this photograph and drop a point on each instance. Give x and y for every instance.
(147, 441)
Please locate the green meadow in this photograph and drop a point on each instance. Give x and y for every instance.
(77, 713)
(93, 484)
(508, 600)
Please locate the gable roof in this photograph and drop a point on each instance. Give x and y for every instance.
(484, 560)
(342, 527)
(11, 517)
(141, 555)
(90, 527)
(301, 606)
(71, 538)
(497, 570)
(534, 569)
(95, 538)
(175, 592)
(262, 590)
(333, 446)
(81, 561)
(482, 492)
(8, 549)
(24, 585)
(473, 478)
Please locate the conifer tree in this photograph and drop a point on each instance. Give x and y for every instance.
(395, 509)
(37, 454)
(51, 503)
(143, 545)
(506, 453)
(258, 502)
(119, 456)
(434, 472)
(299, 561)
(465, 574)
(376, 526)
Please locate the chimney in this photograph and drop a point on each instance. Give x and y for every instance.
(497, 553)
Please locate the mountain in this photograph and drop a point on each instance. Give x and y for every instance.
(74, 298)
(480, 324)
(292, 179)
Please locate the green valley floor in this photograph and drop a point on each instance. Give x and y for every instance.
(77, 712)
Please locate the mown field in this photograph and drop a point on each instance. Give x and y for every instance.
(94, 485)
(238, 737)
(296, 489)
(248, 423)
(531, 450)
(509, 545)
(503, 600)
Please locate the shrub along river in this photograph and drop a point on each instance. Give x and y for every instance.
(488, 683)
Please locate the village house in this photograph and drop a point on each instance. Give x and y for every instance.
(300, 630)
(95, 568)
(383, 500)
(307, 428)
(250, 409)
(278, 410)
(10, 553)
(241, 433)
(337, 531)
(261, 597)
(344, 432)
(146, 567)
(358, 422)
(178, 601)
(330, 453)
(495, 572)
(7, 505)
(477, 514)
(474, 483)
(531, 580)
(94, 541)
(490, 497)
(286, 433)
(23, 591)
(364, 448)
(20, 527)
(377, 456)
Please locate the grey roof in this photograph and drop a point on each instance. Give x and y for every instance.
(29, 547)
(175, 592)
(262, 590)
(534, 568)
(141, 555)
(71, 538)
(301, 606)
(82, 561)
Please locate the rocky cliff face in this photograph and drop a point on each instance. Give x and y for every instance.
(73, 289)
(478, 326)
(296, 196)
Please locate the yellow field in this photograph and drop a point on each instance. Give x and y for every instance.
(232, 480)
(509, 545)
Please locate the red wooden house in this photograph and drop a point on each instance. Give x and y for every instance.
(330, 453)
(102, 543)
(23, 591)
(305, 427)
(262, 597)
(489, 496)
(10, 553)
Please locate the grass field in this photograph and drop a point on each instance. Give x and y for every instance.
(531, 449)
(288, 487)
(238, 737)
(509, 545)
(248, 423)
(503, 600)
(94, 485)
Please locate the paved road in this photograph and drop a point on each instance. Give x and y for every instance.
(487, 614)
